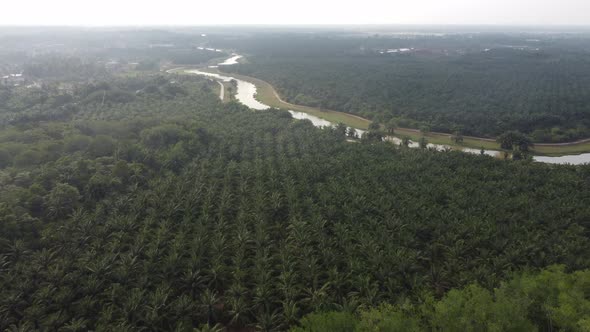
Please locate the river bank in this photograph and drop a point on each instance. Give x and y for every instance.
(259, 95)
(268, 95)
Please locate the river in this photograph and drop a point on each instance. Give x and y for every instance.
(245, 90)
(246, 93)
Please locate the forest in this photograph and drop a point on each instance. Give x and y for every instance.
(482, 84)
(144, 203)
(73, 55)
(515, 306)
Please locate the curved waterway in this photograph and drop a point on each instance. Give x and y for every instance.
(574, 159)
(245, 90)
(246, 93)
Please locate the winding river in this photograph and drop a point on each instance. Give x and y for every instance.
(246, 93)
(245, 90)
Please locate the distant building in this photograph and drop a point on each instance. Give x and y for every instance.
(12, 80)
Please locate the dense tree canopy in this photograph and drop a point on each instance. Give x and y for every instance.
(169, 212)
(133, 201)
(514, 140)
(482, 84)
(550, 300)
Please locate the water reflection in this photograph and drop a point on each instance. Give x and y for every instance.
(579, 159)
(245, 90)
(246, 93)
(319, 122)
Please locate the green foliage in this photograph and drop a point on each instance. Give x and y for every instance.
(423, 142)
(425, 129)
(28, 158)
(162, 136)
(121, 170)
(372, 136)
(62, 200)
(327, 322)
(100, 185)
(102, 146)
(550, 300)
(209, 328)
(184, 211)
(557, 299)
(5, 158)
(390, 126)
(387, 318)
(514, 140)
(457, 137)
(375, 126)
(446, 82)
(476, 309)
(77, 143)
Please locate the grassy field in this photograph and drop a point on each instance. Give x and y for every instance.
(268, 95)
(563, 150)
(478, 143)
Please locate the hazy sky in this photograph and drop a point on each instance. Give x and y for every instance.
(203, 12)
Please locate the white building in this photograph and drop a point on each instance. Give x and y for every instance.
(12, 80)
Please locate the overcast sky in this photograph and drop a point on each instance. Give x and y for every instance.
(205, 12)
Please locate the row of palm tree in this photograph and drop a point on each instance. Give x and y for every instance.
(261, 220)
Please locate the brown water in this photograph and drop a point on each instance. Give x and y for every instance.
(245, 90)
(246, 93)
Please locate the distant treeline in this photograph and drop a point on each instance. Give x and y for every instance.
(77, 54)
(481, 85)
(146, 204)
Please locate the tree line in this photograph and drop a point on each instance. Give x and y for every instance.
(481, 87)
(169, 210)
(549, 300)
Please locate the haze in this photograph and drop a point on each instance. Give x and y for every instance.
(187, 12)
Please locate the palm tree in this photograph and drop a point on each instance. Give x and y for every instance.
(17, 250)
(209, 328)
(20, 327)
(157, 305)
(317, 298)
(209, 299)
(374, 126)
(193, 281)
(239, 311)
(75, 325)
(133, 305)
(268, 321)
(391, 126)
(423, 143)
(290, 312)
(457, 137)
(514, 140)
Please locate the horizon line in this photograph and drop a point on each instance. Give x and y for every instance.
(75, 25)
